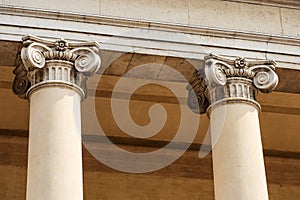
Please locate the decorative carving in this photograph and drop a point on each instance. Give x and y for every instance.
(33, 56)
(87, 62)
(21, 83)
(55, 62)
(60, 55)
(215, 75)
(61, 45)
(230, 80)
(196, 96)
(240, 63)
(265, 78)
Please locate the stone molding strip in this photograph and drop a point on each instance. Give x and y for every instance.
(127, 22)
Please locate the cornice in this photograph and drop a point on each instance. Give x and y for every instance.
(147, 24)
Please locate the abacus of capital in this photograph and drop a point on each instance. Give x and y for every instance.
(226, 90)
(53, 77)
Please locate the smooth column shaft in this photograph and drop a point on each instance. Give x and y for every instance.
(238, 164)
(55, 155)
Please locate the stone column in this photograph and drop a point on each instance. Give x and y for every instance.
(226, 90)
(53, 77)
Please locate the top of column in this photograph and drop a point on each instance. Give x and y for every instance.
(59, 62)
(226, 80)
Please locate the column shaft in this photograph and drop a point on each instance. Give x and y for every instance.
(238, 164)
(54, 157)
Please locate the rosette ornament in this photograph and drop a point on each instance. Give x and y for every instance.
(230, 80)
(59, 62)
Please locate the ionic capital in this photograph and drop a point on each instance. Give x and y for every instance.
(225, 80)
(55, 63)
